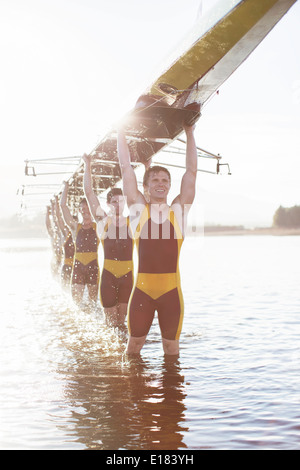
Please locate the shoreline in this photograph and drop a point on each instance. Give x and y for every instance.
(240, 231)
(208, 231)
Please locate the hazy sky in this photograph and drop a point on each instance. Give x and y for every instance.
(70, 68)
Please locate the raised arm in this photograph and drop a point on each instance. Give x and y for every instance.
(188, 182)
(56, 228)
(71, 223)
(48, 222)
(130, 186)
(61, 223)
(95, 207)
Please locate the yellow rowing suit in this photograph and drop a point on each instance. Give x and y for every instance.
(117, 274)
(157, 287)
(86, 270)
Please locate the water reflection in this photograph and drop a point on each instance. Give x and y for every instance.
(120, 403)
(66, 384)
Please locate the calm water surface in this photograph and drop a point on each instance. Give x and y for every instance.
(65, 382)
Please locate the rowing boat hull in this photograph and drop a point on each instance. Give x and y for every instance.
(217, 46)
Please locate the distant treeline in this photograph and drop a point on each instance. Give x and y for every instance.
(288, 217)
(223, 228)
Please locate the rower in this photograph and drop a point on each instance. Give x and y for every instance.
(159, 232)
(54, 234)
(85, 269)
(114, 231)
(68, 247)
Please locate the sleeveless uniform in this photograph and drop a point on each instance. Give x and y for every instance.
(157, 287)
(69, 251)
(86, 270)
(117, 274)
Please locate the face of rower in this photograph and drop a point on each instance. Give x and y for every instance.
(158, 186)
(85, 212)
(117, 204)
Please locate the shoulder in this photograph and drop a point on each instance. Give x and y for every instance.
(137, 208)
(136, 212)
(137, 200)
(102, 224)
(75, 229)
(100, 214)
(180, 207)
(180, 214)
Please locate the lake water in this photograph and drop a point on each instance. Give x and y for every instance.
(67, 384)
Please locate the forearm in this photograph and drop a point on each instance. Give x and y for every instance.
(55, 221)
(123, 151)
(65, 210)
(60, 219)
(87, 179)
(188, 183)
(130, 186)
(91, 197)
(64, 196)
(67, 216)
(191, 152)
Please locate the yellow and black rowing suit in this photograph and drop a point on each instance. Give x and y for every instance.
(86, 269)
(117, 274)
(157, 287)
(69, 251)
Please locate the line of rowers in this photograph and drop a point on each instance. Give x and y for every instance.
(157, 230)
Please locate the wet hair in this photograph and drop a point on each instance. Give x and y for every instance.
(154, 169)
(113, 192)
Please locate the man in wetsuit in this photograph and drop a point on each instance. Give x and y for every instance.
(114, 231)
(159, 232)
(85, 268)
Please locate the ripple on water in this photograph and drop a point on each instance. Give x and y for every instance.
(66, 382)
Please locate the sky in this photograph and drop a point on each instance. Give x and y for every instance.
(71, 68)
